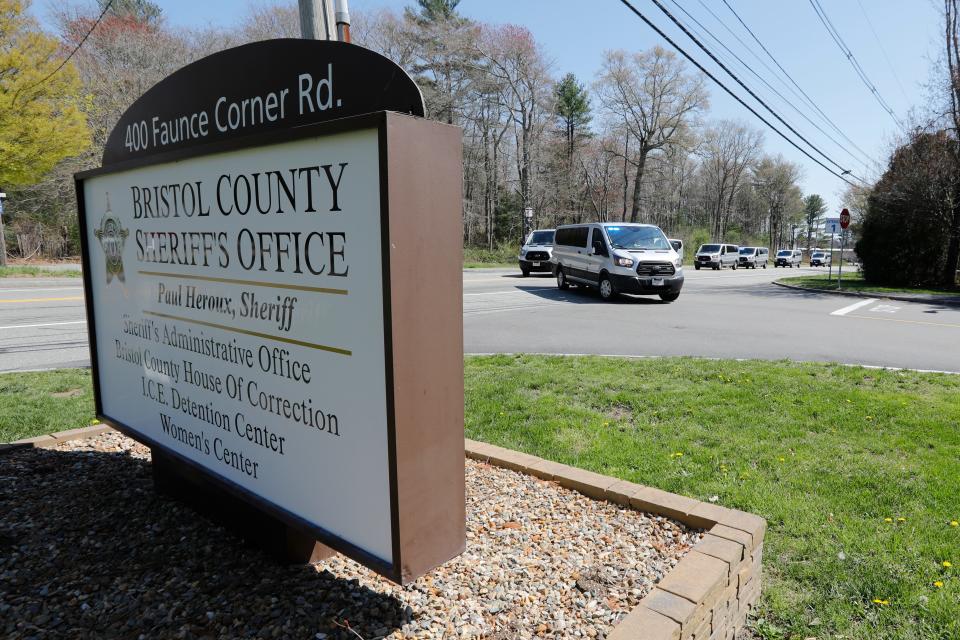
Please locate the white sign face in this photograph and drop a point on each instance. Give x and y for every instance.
(238, 300)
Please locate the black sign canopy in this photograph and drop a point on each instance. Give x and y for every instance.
(260, 87)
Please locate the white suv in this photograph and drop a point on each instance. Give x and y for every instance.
(618, 257)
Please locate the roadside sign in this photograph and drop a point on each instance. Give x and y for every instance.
(832, 226)
(844, 219)
(254, 304)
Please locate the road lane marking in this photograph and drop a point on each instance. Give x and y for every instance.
(42, 289)
(923, 322)
(853, 307)
(884, 308)
(13, 300)
(45, 324)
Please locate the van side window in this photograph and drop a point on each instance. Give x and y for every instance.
(598, 243)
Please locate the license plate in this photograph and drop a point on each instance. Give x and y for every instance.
(536, 264)
(658, 282)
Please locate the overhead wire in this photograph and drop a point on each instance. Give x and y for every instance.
(883, 50)
(852, 59)
(766, 83)
(729, 91)
(789, 77)
(96, 22)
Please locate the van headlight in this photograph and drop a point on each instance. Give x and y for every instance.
(678, 262)
(623, 262)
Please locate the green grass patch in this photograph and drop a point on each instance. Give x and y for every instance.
(37, 403)
(504, 255)
(855, 282)
(22, 271)
(491, 265)
(826, 453)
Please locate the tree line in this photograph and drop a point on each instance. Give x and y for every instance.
(633, 143)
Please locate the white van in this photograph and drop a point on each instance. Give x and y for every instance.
(617, 257)
(535, 252)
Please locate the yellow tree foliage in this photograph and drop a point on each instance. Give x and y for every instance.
(41, 121)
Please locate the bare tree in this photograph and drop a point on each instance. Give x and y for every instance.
(655, 98)
(728, 150)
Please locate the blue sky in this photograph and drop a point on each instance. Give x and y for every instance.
(575, 35)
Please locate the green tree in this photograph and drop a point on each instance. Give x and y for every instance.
(142, 11)
(573, 110)
(438, 10)
(41, 122)
(813, 208)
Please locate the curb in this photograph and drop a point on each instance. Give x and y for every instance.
(713, 588)
(51, 440)
(924, 298)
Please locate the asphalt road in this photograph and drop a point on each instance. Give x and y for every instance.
(730, 314)
(723, 314)
(42, 324)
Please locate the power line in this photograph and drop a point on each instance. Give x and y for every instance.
(883, 51)
(809, 100)
(72, 53)
(776, 115)
(776, 92)
(729, 91)
(852, 59)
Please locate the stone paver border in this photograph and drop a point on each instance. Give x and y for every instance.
(707, 596)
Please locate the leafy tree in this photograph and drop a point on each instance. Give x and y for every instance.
(813, 208)
(905, 233)
(573, 109)
(40, 118)
(438, 10)
(142, 11)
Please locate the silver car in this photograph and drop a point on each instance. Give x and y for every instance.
(717, 256)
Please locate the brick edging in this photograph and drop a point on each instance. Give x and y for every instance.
(47, 441)
(714, 586)
(926, 299)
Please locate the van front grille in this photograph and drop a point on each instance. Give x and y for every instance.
(538, 255)
(655, 269)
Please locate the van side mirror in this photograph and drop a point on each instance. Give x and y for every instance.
(592, 251)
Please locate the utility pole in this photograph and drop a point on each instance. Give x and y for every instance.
(342, 12)
(317, 20)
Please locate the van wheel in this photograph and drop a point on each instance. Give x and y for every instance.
(764, 265)
(525, 272)
(734, 266)
(718, 267)
(562, 279)
(696, 267)
(607, 292)
(669, 297)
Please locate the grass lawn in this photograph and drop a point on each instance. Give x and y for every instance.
(491, 265)
(33, 404)
(856, 470)
(855, 282)
(20, 271)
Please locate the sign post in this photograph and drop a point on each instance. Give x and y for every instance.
(254, 250)
(830, 226)
(3, 240)
(844, 223)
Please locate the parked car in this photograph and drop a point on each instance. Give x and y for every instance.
(752, 257)
(717, 256)
(820, 259)
(788, 258)
(617, 258)
(536, 252)
(677, 246)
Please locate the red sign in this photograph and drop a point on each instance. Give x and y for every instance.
(844, 219)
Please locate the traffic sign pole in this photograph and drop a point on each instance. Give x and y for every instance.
(844, 223)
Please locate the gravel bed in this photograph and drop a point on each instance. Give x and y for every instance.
(88, 550)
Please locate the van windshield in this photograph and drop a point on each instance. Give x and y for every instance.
(747, 251)
(709, 248)
(628, 237)
(541, 237)
(785, 254)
